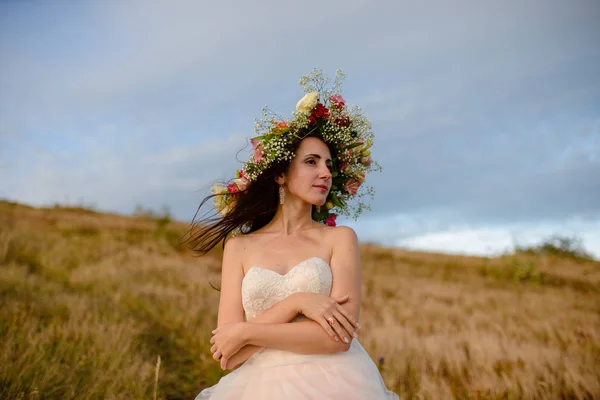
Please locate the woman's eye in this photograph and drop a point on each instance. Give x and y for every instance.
(311, 161)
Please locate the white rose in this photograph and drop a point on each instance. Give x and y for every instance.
(223, 207)
(217, 189)
(308, 102)
(218, 202)
(241, 183)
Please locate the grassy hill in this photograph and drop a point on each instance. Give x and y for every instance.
(91, 300)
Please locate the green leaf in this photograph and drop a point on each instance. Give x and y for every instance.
(335, 200)
(353, 145)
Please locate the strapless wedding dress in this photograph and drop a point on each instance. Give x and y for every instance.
(277, 374)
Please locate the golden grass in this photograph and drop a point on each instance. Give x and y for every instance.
(106, 306)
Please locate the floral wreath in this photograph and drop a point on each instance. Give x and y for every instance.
(344, 128)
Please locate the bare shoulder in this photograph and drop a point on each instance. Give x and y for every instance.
(233, 253)
(235, 244)
(342, 237)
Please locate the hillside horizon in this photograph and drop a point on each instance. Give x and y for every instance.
(164, 212)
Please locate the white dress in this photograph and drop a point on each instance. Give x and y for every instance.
(278, 374)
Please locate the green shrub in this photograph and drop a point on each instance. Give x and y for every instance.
(559, 246)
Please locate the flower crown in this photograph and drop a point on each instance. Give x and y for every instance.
(344, 128)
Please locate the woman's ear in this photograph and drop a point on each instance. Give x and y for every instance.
(280, 179)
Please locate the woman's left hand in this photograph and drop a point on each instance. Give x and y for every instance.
(227, 340)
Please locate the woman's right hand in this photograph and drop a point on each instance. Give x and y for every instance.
(336, 321)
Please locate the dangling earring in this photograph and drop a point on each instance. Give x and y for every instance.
(281, 195)
(318, 209)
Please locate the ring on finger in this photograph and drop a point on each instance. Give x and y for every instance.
(330, 319)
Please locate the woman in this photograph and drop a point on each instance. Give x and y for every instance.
(291, 280)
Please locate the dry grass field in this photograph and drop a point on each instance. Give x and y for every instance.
(91, 300)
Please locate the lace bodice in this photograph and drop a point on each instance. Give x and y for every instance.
(262, 288)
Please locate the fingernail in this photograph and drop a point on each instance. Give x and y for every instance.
(214, 331)
(337, 339)
(345, 339)
(358, 325)
(354, 335)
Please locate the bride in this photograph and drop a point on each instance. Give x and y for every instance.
(291, 280)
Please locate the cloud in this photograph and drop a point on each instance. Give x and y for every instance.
(116, 181)
(475, 189)
(485, 114)
(434, 233)
(499, 240)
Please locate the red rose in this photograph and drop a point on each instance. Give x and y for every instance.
(331, 220)
(344, 120)
(320, 111)
(232, 188)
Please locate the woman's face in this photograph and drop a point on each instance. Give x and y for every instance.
(309, 174)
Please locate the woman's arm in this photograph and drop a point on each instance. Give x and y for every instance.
(315, 307)
(230, 300)
(283, 312)
(304, 337)
(308, 337)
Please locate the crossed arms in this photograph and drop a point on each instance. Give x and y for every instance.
(272, 329)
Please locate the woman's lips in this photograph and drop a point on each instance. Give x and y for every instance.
(322, 188)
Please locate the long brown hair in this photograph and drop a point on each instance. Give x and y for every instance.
(254, 208)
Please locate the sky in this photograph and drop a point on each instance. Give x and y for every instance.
(486, 113)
